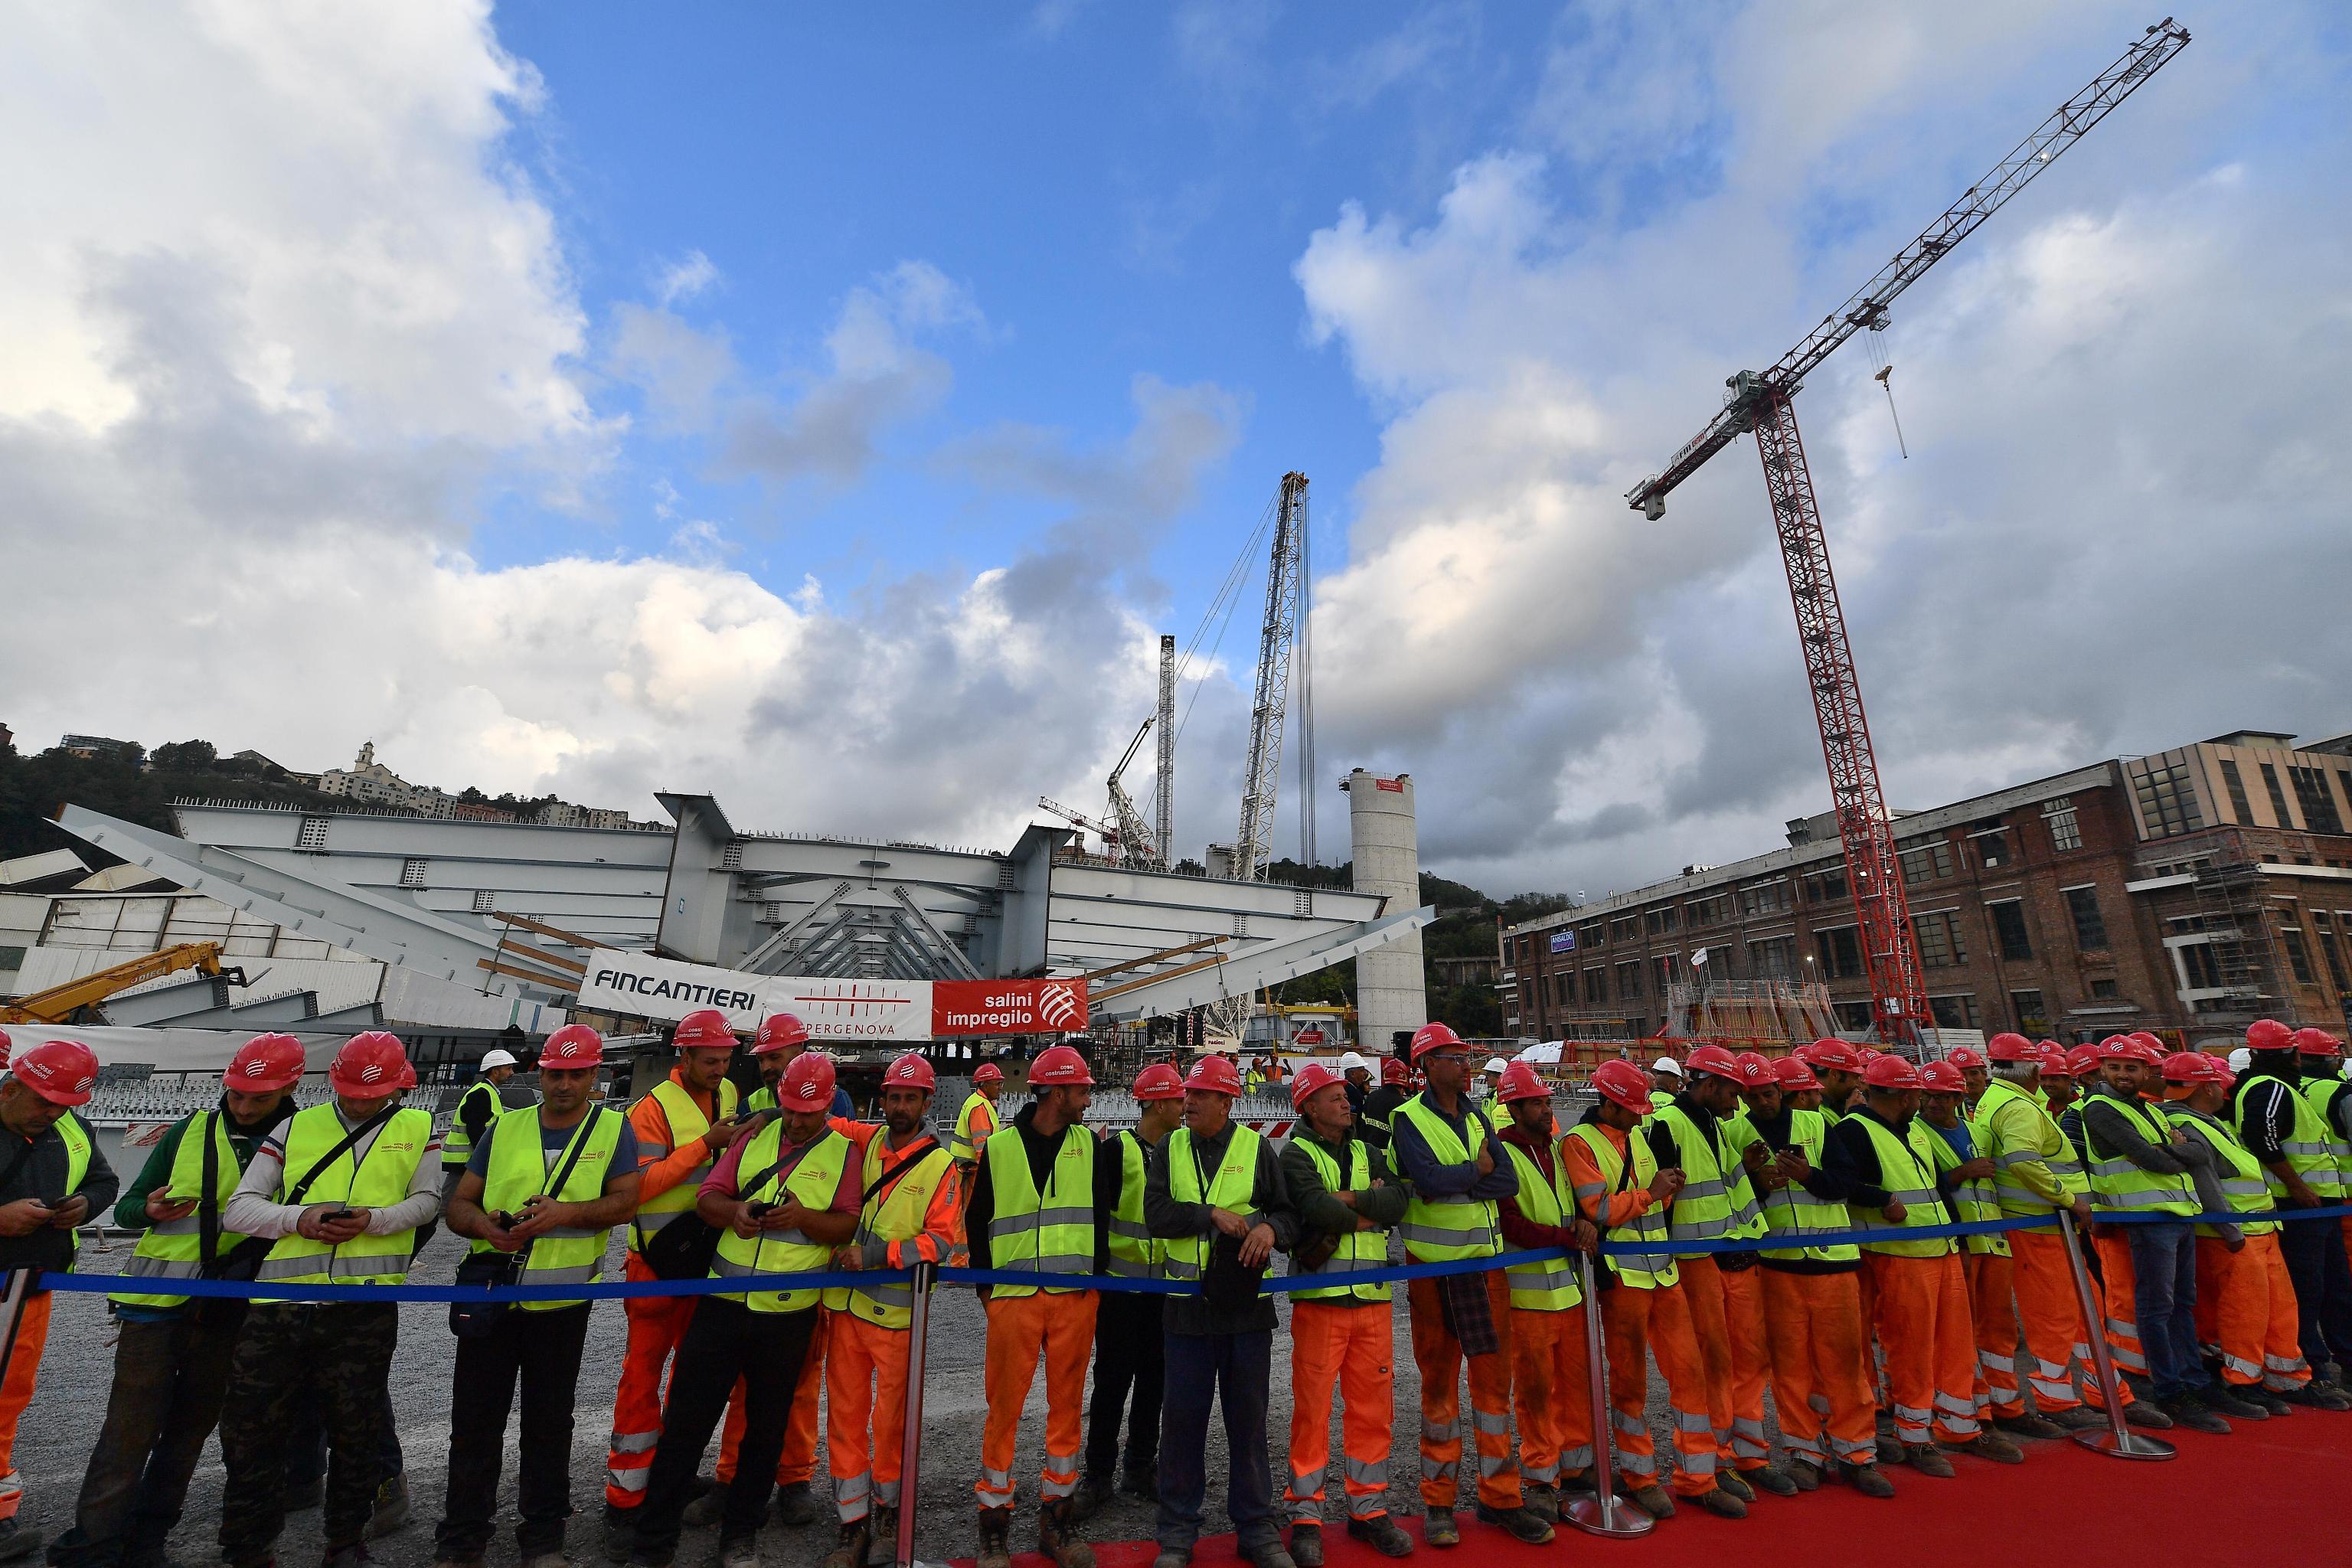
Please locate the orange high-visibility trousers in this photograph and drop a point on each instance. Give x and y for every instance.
(1551, 1386)
(1352, 1347)
(2246, 1305)
(1638, 1324)
(1991, 1277)
(2122, 1325)
(1820, 1366)
(16, 1391)
(1726, 1310)
(655, 1325)
(796, 1465)
(1022, 1329)
(1930, 1345)
(1439, 1356)
(2050, 1313)
(866, 1396)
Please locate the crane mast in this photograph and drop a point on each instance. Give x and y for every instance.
(1261, 781)
(1761, 402)
(1136, 845)
(1164, 787)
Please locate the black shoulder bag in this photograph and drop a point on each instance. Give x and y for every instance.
(243, 1261)
(684, 1249)
(491, 1268)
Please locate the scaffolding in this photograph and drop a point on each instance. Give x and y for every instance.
(1751, 1012)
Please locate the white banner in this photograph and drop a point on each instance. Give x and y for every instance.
(642, 985)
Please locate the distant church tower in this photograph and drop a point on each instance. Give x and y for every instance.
(367, 756)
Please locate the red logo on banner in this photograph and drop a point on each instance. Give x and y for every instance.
(1395, 785)
(1006, 1006)
(1310, 1037)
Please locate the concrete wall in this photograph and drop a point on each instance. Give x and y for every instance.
(1387, 845)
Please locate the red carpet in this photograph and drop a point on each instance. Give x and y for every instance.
(2273, 1489)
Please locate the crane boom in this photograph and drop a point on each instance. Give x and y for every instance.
(58, 1003)
(1135, 835)
(2068, 124)
(1261, 782)
(1163, 788)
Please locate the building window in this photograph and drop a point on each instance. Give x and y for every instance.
(1560, 993)
(2298, 956)
(1938, 937)
(2103, 991)
(1840, 953)
(1825, 887)
(2065, 828)
(485, 900)
(1710, 911)
(1928, 863)
(2032, 1016)
(1855, 1015)
(2318, 806)
(1625, 930)
(312, 837)
(1956, 1012)
(1629, 980)
(412, 871)
(1773, 958)
(1657, 922)
(2167, 804)
(1991, 846)
(2236, 783)
(1669, 969)
(1589, 935)
(2009, 930)
(2278, 795)
(1764, 898)
(2196, 962)
(2090, 927)
(1596, 986)
(2327, 949)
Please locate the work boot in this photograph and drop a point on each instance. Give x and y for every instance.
(1925, 1458)
(883, 1550)
(795, 1505)
(2268, 1401)
(1058, 1536)
(742, 1551)
(2144, 1414)
(18, 1538)
(620, 1532)
(2081, 1418)
(390, 1506)
(2227, 1401)
(996, 1538)
(1268, 1554)
(1540, 1499)
(1653, 1499)
(1890, 1450)
(849, 1549)
(1722, 1503)
(1307, 1545)
(1865, 1480)
(1437, 1527)
(707, 1508)
(1382, 1534)
(2318, 1396)
(2188, 1410)
(1736, 1484)
(2029, 1425)
(1771, 1478)
(1988, 1446)
(1806, 1473)
(1521, 1524)
(1141, 1478)
(1095, 1490)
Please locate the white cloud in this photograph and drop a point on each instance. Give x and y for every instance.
(684, 278)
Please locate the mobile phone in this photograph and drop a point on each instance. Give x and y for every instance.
(759, 1210)
(505, 1221)
(342, 1213)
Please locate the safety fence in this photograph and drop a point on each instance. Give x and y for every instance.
(1600, 1514)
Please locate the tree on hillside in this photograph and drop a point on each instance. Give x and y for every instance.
(186, 756)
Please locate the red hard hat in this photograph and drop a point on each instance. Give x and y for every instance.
(370, 1065)
(1434, 1038)
(1942, 1077)
(2055, 1062)
(908, 1069)
(1965, 1056)
(1714, 1059)
(1835, 1056)
(1519, 1081)
(1794, 1074)
(8, 1049)
(1755, 1069)
(1395, 1071)
(1891, 1072)
(407, 1074)
(2083, 1059)
(62, 1073)
(2005, 1047)
(572, 1048)
(808, 1083)
(1306, 1080)
(987, 1072)
(2268, 1035)
(1056, 1066)
(706, 1027)
(2128, 1048)
(1868, 1054)
(2316, 1043)
(1623, 1083)
(2187, 1066)
(776, 1031)
(265, 1063)
(1215, 1074)
(1159, 1081)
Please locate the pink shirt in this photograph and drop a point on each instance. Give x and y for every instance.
(727, 1176)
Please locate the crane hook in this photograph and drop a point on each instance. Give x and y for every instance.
(1887, 385)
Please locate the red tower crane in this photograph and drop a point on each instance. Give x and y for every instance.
(1763, 402)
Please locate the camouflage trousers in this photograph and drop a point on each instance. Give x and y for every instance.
(342, 1350)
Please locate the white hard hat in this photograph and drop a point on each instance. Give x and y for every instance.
(1351, 1061)
(2241, 1059)
(1667, 1063)
(499, 1058)
(1495, 1064)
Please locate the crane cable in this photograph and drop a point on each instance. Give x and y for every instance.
(1874, 340)
(1228, 597)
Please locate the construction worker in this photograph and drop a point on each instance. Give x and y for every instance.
(1215, 1179)
(1341, 1335)
(1964, 1179)
(1041, 1204)
(2245, 1302)
(1355, 1072)
(2035, 1173)
(775, 1044)
(2319, 1057)
(1620, 1187)
(1975, 1073)
(171, 1356)
(1812, 1297)
(907, 1216)
(1441, 1149)
(1129, 1355)
(1717, 1201)
(2141, 1164)
(1667, 1073)
(2285, 1131)
(545, 1185)
(682, 1127)
(1551, 1382)
(1839, 1066)
(1379, 1107)
(782, 1198)
(53, 1177)
(977, 1118)
(339, 1191)
(481, 1105)
(1919, 1290)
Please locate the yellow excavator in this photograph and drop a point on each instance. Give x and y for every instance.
(58, 1003)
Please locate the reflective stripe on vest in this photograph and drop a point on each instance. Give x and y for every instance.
(2316, 1093)
(519, 1170)
(961, 1143)
(1903, 1172)
(2240, 1172)
(457, 1143)
(1702, 1211)
(380, 1181)
(1232, 1186)
(1441, 1230)
(687, 1123)
(1051, 1232)
(2011, 1127)
(1969, 1199)
(1358, 1249)
(1791, 1212)
(1551, 1286)
(1641, 1270)
(174, 1249)
(814, 1179)
(2121, 1184)
(1135, 1254)
(2305, 1144)
(896, 1214)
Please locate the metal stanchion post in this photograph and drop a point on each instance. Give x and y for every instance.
(16, 1285)
(910, 1455)
(1601, 1513)
(2118, 1438)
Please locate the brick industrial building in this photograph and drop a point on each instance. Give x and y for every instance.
(2187, 892)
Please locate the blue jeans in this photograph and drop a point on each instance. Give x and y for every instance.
(2164, 1301)
(1202, 1366)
